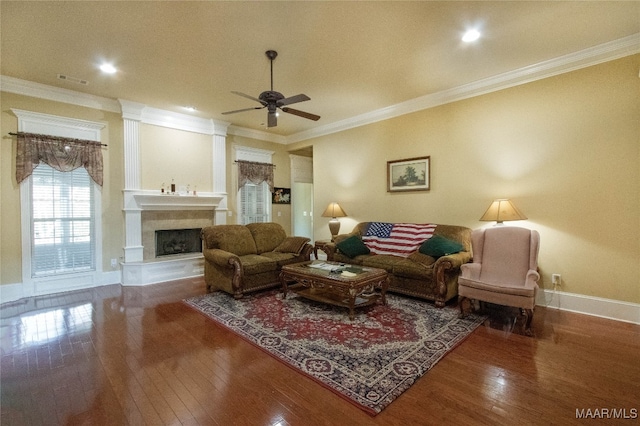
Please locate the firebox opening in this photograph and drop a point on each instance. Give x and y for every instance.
(178, 241)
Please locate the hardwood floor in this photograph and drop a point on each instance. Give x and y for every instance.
(137, 355)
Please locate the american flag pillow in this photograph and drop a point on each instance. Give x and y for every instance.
(399, 239)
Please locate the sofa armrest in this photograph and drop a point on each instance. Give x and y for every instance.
(444, 264)
(330, 249)
(220, 257)
(453, 261)
(306, 252)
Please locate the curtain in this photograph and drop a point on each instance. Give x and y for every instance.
(63, 154)
(256, 173)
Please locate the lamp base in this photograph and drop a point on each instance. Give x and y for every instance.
(334, 227)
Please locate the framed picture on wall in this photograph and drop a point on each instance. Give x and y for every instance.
(410, 174)
(281, 196)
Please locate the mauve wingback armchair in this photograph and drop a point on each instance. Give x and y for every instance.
(504, 270)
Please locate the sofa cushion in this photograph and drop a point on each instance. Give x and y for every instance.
(235, 239)
(382, 261)
(283, 258)
(411, 269)
(256, 264)
(292, 245)
(267, 235)
(352, 246)
(437, 246)
(422, 259)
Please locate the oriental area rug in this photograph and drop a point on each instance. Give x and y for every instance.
(369, 361)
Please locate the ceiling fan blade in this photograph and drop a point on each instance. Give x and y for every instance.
(247, 96)
(272, 119)
(293, 99)
(301, 114)
(241, 110)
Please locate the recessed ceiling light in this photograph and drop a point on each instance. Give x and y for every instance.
(471, 35)
(108, 68)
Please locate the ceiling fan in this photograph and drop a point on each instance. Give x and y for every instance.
(273, 100)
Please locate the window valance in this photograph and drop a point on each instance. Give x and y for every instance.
(255, 173)
(62, 154)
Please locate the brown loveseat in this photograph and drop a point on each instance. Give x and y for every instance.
(420, 275)
(240, 259)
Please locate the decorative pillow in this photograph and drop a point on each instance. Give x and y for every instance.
(352, 247)
(437, 246)
(292, 245)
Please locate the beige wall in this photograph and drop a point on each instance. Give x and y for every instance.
(565, 149)
(167, 154)
(112, 220)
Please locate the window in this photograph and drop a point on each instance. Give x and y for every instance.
(62, 222)
(255, 203)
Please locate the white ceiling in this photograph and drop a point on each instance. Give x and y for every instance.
(350, 58)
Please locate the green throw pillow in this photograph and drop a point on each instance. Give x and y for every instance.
(437, 246)
(352, 247)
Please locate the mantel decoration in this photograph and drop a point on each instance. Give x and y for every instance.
(281, 196)
(411, 174)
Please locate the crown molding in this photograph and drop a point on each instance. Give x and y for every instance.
(605, 52)
(581, 59)
(51, 93)
(256, 134)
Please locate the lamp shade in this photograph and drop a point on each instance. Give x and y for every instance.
(334, 210)
(501, 210)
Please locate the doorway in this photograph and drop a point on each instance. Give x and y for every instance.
(302, 194)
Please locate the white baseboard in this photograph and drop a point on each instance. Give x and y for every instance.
(11, 292)
(16, 291)
(571, 302)
(590, 305)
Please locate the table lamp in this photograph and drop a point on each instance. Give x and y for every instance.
(334, 211)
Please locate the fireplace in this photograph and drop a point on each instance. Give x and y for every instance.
(178, 241)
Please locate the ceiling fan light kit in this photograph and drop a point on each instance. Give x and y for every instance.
(275, 101)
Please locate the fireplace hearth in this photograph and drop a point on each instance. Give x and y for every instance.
(178, 241)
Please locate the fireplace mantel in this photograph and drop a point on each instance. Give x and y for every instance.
(155, 200)
(136, 271)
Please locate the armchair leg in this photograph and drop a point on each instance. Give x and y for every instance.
(528, 315)
(461, 300)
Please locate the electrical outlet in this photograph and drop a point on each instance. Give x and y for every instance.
(114, 263)
(556, 279)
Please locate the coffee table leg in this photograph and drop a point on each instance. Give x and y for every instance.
(283, 280)
(352, 303)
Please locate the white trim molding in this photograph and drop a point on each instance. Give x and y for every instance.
(595, 55)
(35, 122)
(584, 58)
(590, 305)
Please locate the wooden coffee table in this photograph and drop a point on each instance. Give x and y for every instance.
(326, 282)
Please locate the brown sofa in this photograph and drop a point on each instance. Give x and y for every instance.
(419, 275)
(241, 259)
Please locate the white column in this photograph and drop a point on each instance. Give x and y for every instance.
(132, 115)
(220, 171)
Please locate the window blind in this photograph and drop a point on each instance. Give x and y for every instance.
(62, 221)
(255, 200)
